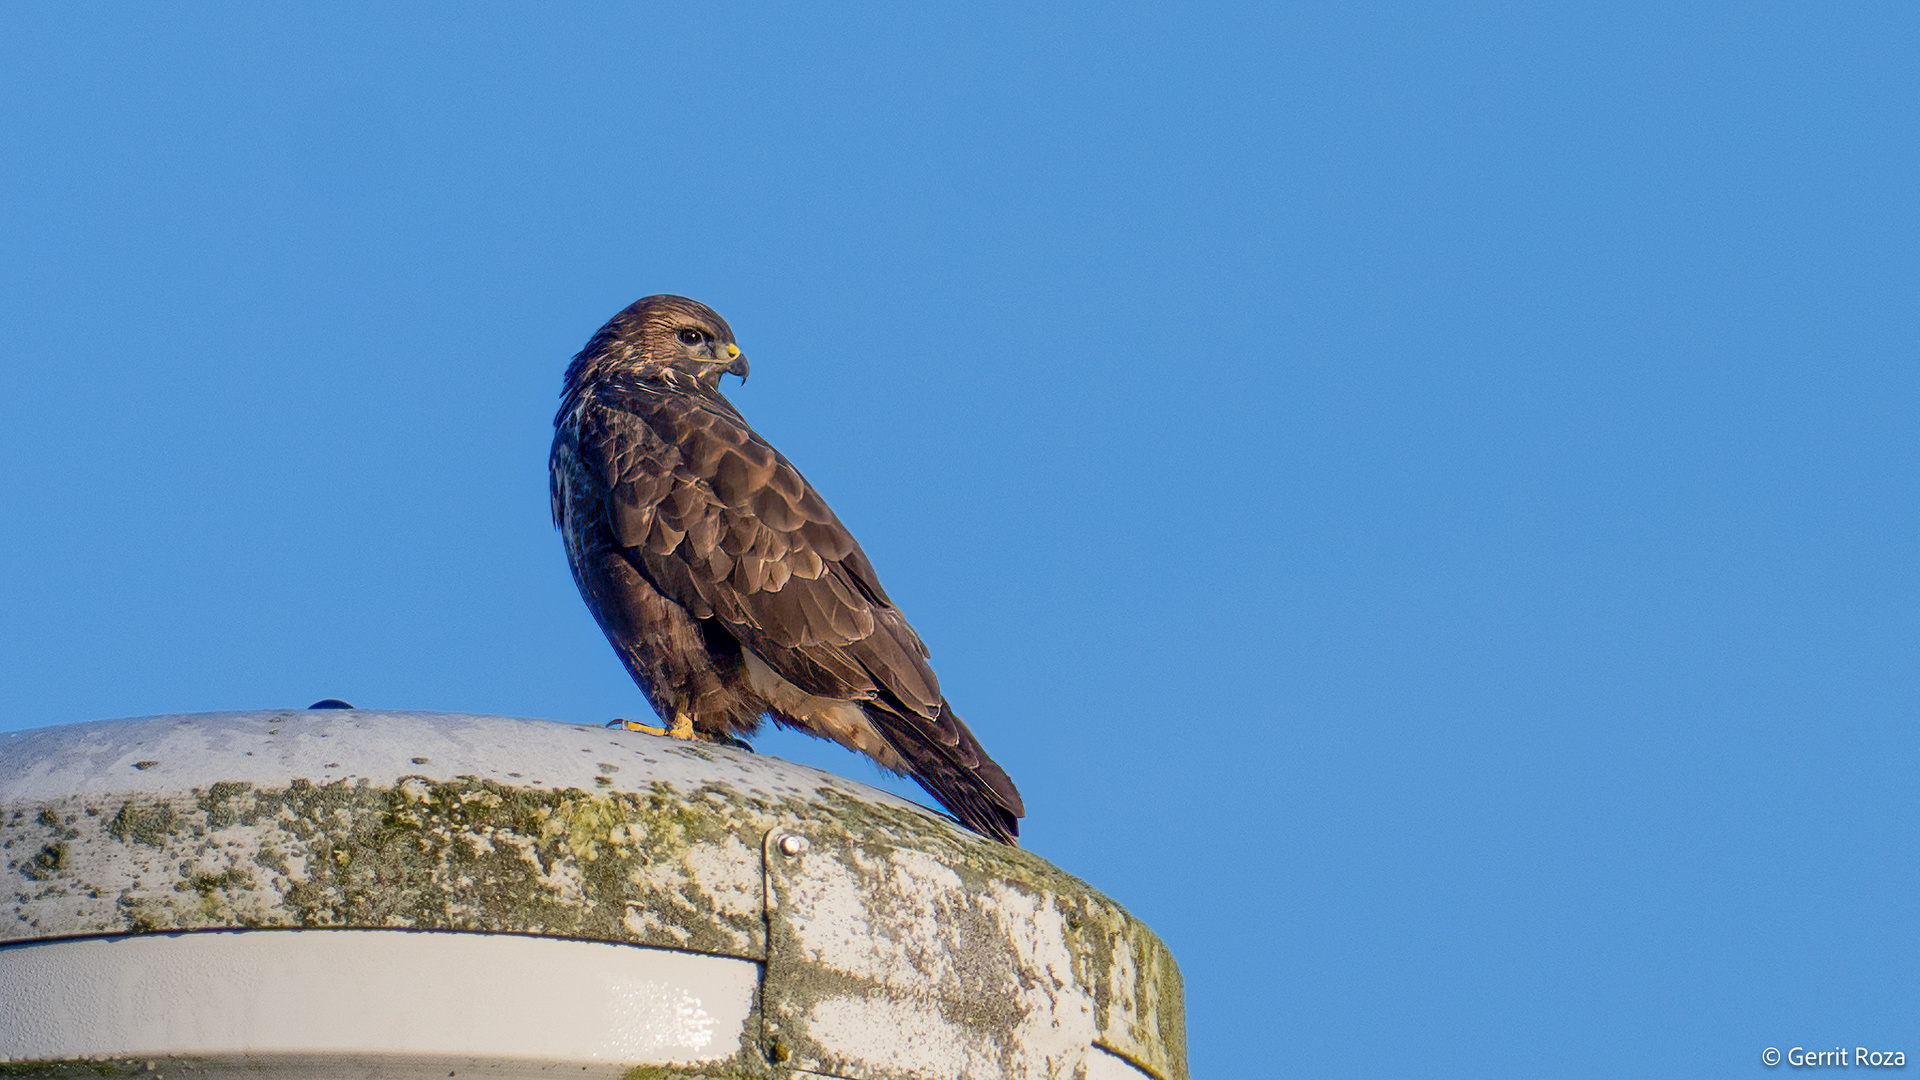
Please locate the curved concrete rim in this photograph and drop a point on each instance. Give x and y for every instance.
(334, 892)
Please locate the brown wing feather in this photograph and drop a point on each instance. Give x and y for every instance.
(726, 526)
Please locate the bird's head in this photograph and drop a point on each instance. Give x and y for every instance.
(661, 334)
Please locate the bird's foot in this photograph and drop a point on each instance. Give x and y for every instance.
(635, 725)
(682, 727)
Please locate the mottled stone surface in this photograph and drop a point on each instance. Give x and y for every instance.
(942, 956)
(894, 944)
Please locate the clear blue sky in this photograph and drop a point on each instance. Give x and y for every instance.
(1422, 498)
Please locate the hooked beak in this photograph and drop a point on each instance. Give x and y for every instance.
(738, 366)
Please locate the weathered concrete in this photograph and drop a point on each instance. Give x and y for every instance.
(888, 942)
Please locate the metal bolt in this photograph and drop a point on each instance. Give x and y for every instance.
(792, 845)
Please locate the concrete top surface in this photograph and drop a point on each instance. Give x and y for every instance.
(891, 943)
(330, 745)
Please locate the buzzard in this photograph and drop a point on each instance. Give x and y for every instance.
(727, 587)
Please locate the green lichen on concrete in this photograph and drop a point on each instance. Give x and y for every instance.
(48, 862)
(1099, 932)
(976, 917)
(658, 867)
(473, 854)
(223, 806)
(725, 1071)
(61, 1070)
(151, 824)
(272, 858)
(213, 890)
(141, 915)
(681, 867)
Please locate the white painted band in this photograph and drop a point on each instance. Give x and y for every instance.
(369, 993)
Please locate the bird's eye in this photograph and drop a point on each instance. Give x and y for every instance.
(691, 337)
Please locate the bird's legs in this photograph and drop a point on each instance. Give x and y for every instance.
(682, 727)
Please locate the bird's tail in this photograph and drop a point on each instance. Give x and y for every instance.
(946, 760)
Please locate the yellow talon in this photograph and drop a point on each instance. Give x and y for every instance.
(682, 727)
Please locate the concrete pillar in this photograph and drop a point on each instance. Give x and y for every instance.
(378, 894)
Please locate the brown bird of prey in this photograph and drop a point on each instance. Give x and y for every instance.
(725, 584)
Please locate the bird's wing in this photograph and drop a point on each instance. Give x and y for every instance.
(724, 525)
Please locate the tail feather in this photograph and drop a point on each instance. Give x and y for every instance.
(956, 771)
